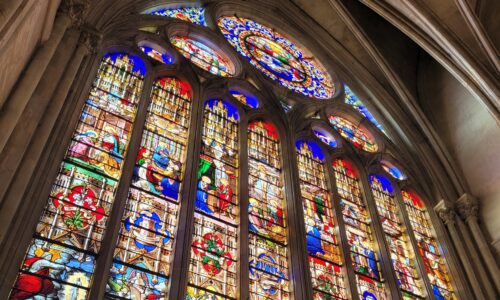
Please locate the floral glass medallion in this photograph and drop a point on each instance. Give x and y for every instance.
(277, 57)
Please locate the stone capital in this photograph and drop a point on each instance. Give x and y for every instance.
(75, 10)
(445, 212)
(467, 207)
(91, 39)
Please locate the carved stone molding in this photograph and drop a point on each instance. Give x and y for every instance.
(468, 207)
(445, 213)
(75, 10)
(91, 38)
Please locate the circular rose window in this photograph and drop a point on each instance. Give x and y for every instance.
(277, 57)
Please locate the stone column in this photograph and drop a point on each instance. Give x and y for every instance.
(448, 216)
(468, 208)
(7, 10)
(10, 114)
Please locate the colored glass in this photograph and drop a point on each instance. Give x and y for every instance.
(213, 261)
(364, 256)
(354, 101)
(392, 170)
(195, 15)
(141, 264)
(164, 58)
(277, 57)
(203, 56)
(325, 137)
(245, 98)
(353, 133)
(402, 254)
(60, 260)
(325, 261)
(269, 278)
(428, 247)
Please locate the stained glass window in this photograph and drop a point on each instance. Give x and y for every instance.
(353, 133)
(203, 56)
(354, 101)
(142, 258)
(325, 261)
(163, 58)
(268, 236)
(195, 15)
(60, 261)
(364, 256)
(324, 136)
(392, 170)
(245, 98)
(396, 237)
(428, 247)
(277, 57)
(212, 268)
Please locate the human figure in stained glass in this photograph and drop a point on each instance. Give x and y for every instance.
(202, 194)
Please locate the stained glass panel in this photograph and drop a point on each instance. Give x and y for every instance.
(269, 278)
(325, 137)
(245, 98)
(61, 258)
(195, 15)
(392, 170)
(203, 56)
(428, 247)
(325, 260)
(360, 237)
(162, 57)
(277, 57)
(354, 101)
(212, 271)
(141, 265)
(402, 254)
(353, 133)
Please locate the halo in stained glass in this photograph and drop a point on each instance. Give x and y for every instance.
(324, 136)
(203, 56)
(355, 134)
(392, 170)
(277, 57)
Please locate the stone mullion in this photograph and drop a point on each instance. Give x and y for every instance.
(244, 248)
(345, 247)
(449, 218)
(110, 237)
(388, 273)
(39, 174)
(411, 235)
(468, 208)
(300, 273)
(182, 248)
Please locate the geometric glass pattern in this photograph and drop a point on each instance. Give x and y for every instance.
(354, 101)
(428, 246)
(353, 133)
(157, 55)
(195, 15)
(396, 236)
(61, 257)
(203, 56)
(364, 257)
(141, 264)
(325, 261)
(213, 263)
(277, 57)
(268, 237)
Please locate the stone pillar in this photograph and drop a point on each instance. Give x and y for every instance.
(7, 10)
(468, 208)
(449, 218)
(10, 114)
